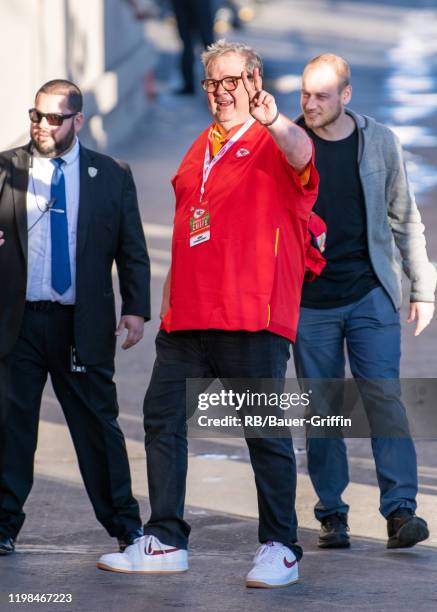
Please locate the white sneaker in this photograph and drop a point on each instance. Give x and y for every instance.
(275, 565)
(146, 555)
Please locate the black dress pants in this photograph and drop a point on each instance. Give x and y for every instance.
(89, 403)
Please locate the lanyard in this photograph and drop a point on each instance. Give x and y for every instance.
(208, 163)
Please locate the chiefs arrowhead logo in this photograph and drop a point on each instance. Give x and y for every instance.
(242, 152)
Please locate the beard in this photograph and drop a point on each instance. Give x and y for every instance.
(324, 120)
(53, 147)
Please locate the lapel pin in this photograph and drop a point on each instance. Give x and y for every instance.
(92, 171)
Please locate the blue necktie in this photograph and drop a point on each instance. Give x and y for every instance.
(61, 273)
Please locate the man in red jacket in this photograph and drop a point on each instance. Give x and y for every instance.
(244, 194)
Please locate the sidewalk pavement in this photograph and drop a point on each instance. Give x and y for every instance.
(61, 540)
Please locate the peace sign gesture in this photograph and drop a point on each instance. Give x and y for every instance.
(262, 105)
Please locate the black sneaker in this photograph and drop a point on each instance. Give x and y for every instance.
(334, 531)
(7, 545)
(405, 529)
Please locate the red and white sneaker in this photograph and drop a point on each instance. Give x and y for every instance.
(146, 555)
(275, 565)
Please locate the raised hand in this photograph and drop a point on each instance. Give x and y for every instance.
(262, 105)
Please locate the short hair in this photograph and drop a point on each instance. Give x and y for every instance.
(337, 63)
(223, 47)
(65, 88)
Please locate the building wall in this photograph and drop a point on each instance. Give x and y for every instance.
(96, 43)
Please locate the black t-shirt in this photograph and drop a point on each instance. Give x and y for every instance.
(348, 275)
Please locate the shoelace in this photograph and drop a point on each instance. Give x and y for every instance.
(152, 543)
(268, 553)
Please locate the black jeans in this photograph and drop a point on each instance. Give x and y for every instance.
(89, 403)
(214, 354)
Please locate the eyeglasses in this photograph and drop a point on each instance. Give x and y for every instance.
(52, 118)
(229, 83)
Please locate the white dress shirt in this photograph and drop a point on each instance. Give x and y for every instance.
(39, 267)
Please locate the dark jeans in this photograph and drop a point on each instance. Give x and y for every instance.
(90, 407)
(214, 354)
(371, 330)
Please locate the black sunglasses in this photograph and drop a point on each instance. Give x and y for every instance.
(52, 118)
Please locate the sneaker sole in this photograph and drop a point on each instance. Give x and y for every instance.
(257, 584)
(411, 533)
(108, 568)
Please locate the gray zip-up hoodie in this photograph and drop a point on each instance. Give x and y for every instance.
(395, 233)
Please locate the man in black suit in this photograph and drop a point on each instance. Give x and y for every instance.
(66, 213)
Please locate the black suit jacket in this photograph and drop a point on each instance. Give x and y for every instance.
(109, 228)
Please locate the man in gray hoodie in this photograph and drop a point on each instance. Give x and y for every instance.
(373, 227)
